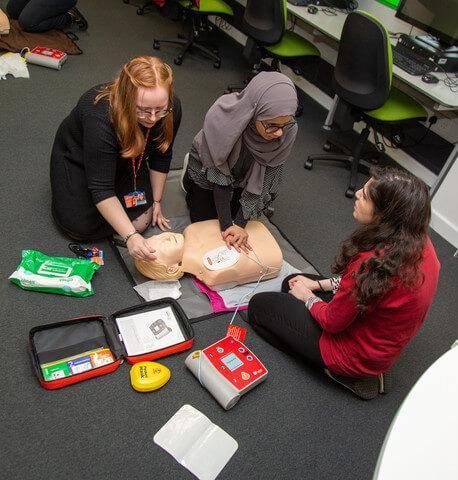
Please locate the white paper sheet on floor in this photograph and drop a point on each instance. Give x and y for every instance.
(155, 290)
(196, 443)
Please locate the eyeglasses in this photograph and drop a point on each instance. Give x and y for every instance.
(141, 113)
(272, 128)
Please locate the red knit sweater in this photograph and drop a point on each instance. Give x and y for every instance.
(354, 344)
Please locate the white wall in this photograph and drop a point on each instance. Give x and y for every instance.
(445, 205)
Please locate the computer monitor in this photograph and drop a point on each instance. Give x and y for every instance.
(437, 17)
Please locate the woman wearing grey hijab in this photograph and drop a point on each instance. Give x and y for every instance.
(235, 164)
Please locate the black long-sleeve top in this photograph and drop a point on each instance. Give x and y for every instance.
(87, 167)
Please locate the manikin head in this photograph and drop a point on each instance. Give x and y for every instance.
(168, 248)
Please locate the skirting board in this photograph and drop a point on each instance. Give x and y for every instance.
(444, 227)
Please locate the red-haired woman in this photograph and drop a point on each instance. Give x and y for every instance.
(111, 156)
(387, 274)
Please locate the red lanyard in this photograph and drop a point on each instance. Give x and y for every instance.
(135, 166)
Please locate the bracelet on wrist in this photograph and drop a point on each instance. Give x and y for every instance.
(321, 286)
(130, 235)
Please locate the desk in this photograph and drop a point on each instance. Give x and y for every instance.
(421, 443)
(332, 26)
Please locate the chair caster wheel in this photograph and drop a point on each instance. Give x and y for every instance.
(139, 11)
(327, 147)
(308, 164)
(178, 60)
(350, 193)
(156, 45)
(217, 64)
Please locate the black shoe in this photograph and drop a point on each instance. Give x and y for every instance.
(78, 19)
(366, 388)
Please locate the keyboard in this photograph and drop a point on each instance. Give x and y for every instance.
(300, 3)
(410, 63)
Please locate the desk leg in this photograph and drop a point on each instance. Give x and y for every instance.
(445, 169)
(330, 118)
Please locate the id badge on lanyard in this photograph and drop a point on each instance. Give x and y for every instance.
(136, 197)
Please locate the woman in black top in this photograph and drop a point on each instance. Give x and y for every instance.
(111, 156)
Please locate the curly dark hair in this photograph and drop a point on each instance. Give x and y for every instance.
(402, 212)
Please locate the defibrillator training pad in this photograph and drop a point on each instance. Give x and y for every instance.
(220, 258)
(196, 443)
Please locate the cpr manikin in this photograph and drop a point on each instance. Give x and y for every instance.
(202, 252)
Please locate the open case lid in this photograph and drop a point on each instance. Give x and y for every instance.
(152, 330)
(81, 348)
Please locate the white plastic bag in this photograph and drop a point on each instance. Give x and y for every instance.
(13, 64)
(196, 443)
(154, 290)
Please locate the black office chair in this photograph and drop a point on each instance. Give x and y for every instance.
(144, 7)
(198, 11)
(264, 22)
(362, 81)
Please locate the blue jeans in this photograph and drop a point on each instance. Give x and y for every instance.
(40, 15)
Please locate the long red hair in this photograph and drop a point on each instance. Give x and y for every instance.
(142, 71)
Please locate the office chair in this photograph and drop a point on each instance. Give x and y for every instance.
(264, 22)
(143, 7)
(362, 81)
(198, 11)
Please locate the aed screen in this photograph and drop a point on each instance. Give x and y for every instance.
(232, 362)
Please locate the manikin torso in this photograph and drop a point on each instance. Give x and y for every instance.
(195, 249)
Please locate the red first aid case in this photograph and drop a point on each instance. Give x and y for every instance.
(74, 350)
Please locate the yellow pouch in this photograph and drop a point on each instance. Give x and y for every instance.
(148, 376)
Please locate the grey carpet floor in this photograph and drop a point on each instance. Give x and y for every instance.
(296, 425)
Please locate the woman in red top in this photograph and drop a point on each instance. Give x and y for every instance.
(357, 323)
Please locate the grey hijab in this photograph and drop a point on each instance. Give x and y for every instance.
(231, 121)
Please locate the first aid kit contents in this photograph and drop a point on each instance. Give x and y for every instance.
(227, 369)
(148, 376)
(77, 364)
(74, 350)
(46, 57)
(196, 443)
(61, 275)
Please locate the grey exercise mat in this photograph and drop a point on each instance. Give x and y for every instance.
(192, 300)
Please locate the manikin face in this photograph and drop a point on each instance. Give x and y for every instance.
(169, 247)
(364, 211)
(152, 103)
(263, 127)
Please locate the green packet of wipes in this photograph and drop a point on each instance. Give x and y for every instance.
(62, 275)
